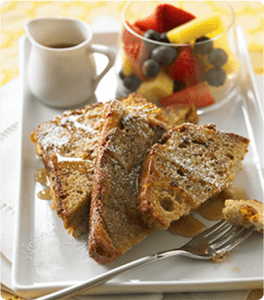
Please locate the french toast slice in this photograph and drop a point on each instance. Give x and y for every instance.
(244, 213)
(68, 145)
(191, 165)
(115, 223)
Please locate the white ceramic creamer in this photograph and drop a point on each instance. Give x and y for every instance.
(61, 71)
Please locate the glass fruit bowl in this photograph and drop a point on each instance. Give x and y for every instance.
(178, 52)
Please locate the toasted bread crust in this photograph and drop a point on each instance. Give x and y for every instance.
(191, 165)
(74, 135)
(115, 223)
(67, 145)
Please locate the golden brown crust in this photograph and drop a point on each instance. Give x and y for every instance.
(75, 134)
(67, 145)
(193, 164)
(115, 223)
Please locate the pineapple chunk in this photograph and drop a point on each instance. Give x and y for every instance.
(127, 67)
(155, 89)
(195, 29)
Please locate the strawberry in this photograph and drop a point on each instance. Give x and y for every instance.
(149, 22)
(137, 53)
(199, 95)
(165, 18)
(130, 38)
(187, 68)
(171, 16)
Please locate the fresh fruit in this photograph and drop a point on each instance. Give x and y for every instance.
(186, 68)
(164, 55)
(163, 38)
(121, 75)
(194, 29)
(215, 76)
(149, 22)
(224, 42)
(127, 67)
(217, 57)
(168, 74)
(137, 54)
(172, 17)
(130, 38)
(131, 82)
(157, 88)
(177, 86)
(164, 18)
(203, 45)
(151, 68)
(151, 35)
(199, 95)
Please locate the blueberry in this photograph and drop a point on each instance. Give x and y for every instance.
(121, 75)
(203, 45)
(151, 35)
(164, 39)
(177, 86)
(215, 76)
(164, 55)
(217, 57)
(132, 82)
(151, 68)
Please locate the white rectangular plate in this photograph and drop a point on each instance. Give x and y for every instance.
(46, 258)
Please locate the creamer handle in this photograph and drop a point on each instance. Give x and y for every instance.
(107, 51)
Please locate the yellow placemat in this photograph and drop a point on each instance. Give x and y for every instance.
(249, 14)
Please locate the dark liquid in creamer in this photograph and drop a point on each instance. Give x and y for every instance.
(62, 45)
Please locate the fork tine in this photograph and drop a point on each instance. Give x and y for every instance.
(227, 235)
(225, 230)
(241, 235)
(213, 230)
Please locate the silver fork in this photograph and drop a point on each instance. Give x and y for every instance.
(214, 243)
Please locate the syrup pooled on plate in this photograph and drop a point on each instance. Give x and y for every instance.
(41, 177)
(187, 226)
(45, 194)
(212, 209)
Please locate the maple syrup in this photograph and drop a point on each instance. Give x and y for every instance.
(212, 209)
(62, 45)
(41, 176)
(187, 226)
(45, 194)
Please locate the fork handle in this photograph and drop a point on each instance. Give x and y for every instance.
(89, 284)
